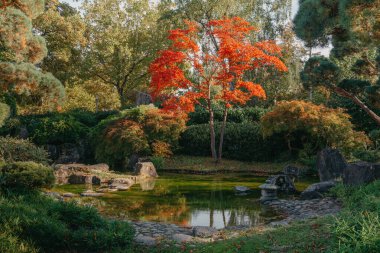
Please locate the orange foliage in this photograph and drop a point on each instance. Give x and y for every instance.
(217, 57)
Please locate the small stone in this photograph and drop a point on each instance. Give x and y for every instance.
(68, 195)
(182, 238)
(145, 240)
(242, 188)
(204, 232)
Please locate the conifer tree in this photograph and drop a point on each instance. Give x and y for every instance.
(21, 51)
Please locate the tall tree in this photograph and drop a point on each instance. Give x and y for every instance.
(64, 31)
(21, 51)
(354, 30)
(205, 66)
(123, 38)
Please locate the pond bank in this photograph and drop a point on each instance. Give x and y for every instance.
(152, 233)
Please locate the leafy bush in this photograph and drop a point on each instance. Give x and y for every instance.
(313, 125)
(4, 113)
(236, 115)
(55, 226)
(158, 162)
(57, 130)
(118, 141)
(18, 150)
(242, 141)
(370, 155)
(26, 175)
(142, 130)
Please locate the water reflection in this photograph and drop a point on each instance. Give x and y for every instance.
(188, 201)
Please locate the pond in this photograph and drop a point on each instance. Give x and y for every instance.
(186, 200)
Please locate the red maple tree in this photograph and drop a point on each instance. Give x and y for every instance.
(206, 65)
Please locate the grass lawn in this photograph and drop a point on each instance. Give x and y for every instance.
(206, 164)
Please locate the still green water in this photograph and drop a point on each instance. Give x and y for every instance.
(188, 200)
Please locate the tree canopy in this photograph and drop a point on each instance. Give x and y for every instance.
(20, 51)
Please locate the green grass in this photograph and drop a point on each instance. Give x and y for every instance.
(31, 222)
(200, 163)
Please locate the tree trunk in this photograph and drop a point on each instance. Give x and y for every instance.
(311, 93)
(122, 98)
(358, 102)
(212, 134)
(310, 87)
(221, 138)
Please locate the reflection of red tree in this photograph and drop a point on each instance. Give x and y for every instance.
(178, 214)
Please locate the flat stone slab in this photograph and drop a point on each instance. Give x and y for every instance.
(91, 194)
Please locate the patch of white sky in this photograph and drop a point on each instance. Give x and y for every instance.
(324, 51)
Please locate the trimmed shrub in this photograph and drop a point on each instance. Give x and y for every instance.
(26, 175)
(242, 141)
(55, 226)
(19, 150)
(235, 115)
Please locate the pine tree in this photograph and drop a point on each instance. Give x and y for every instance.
(21, 51)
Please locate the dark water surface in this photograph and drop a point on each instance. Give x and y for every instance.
(188, 200)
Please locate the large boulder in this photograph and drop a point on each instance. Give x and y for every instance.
(359, 173)
(376, 167)
(204, 232)
(78, 173)
(331, 165)
(317, 190)
(121, 184)
(145, 169)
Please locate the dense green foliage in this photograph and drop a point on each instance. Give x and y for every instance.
(236, 115)
(242, 141)
(19, 150)
(26, 175)
(55, 128)
(35, 223)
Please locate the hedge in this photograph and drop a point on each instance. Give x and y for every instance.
(236, 115)
(242, 141)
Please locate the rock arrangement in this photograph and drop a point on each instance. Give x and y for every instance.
(304, 209)
(153, 233)
(332, 166)
(79, 173)
(108, 181)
